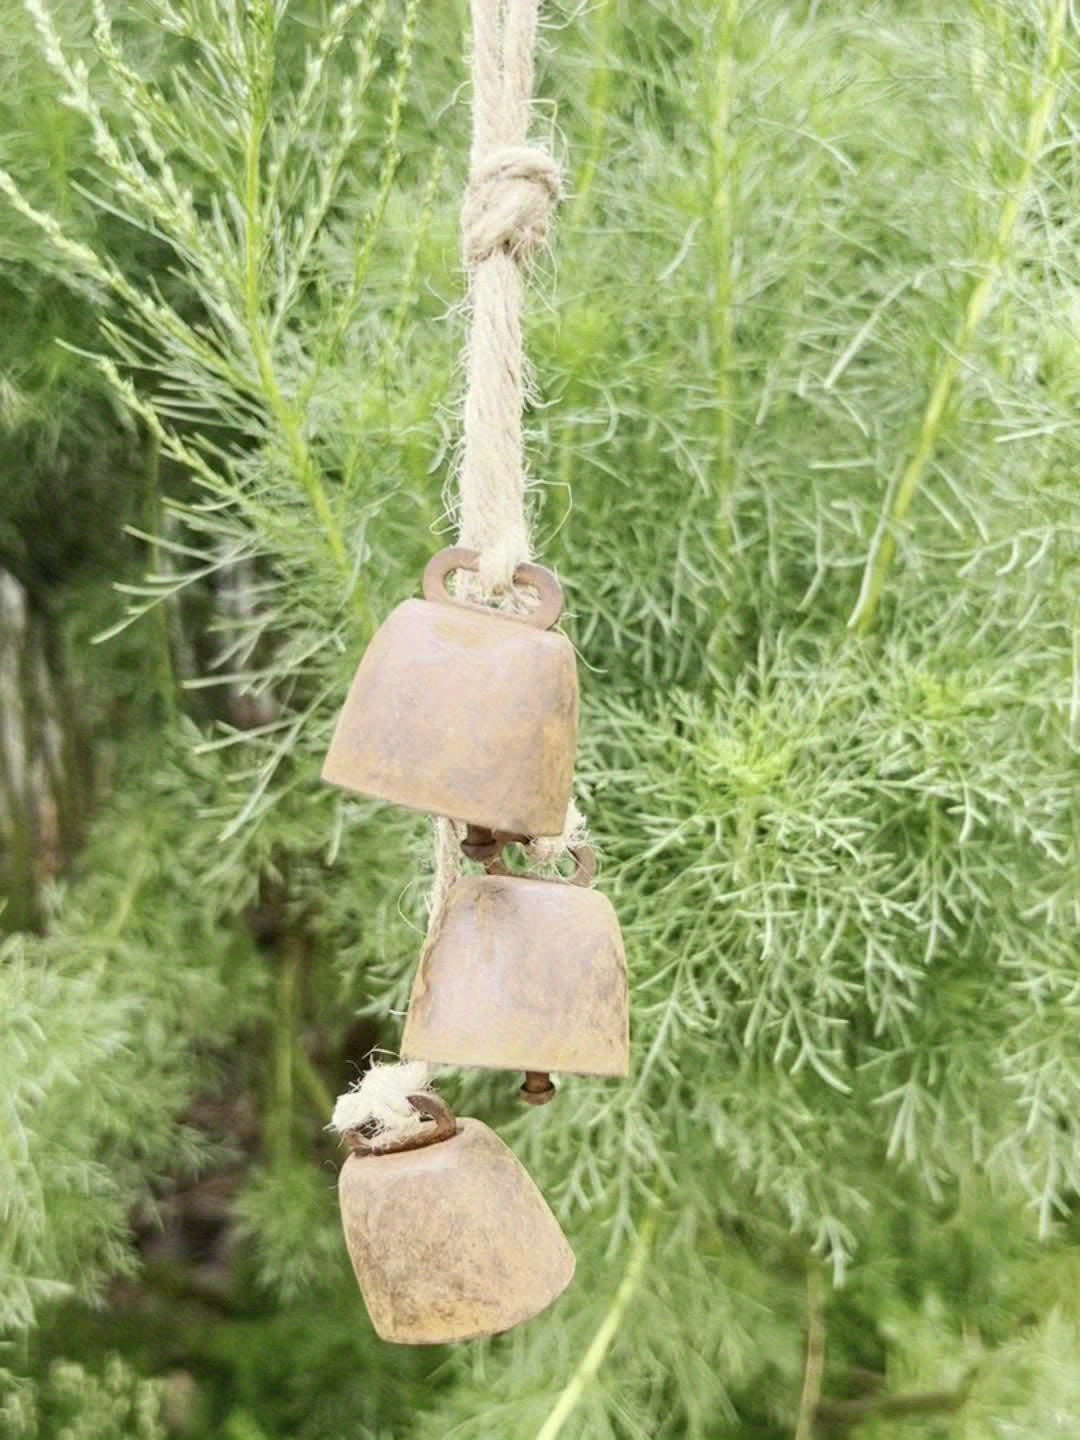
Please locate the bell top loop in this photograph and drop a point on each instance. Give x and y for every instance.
(486, 848)
(442, 565)
(427, 1103)
(585, 860)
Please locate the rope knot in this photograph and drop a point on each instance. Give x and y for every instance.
(509, 203)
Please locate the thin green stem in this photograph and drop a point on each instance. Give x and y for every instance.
(883, 548)
(603, 21)
(114, 926)
(18, 886)
(719, 91)
(573, 1393)
(166, 686)
(843, 1416)
(284, 413)
(285, 1051)
(814, 1370)
(317, 1089)
(388, 169)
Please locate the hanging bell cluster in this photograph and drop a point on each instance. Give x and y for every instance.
(471, 713)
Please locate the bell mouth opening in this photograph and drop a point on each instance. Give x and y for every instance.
(559, 1066)
(440, 1125)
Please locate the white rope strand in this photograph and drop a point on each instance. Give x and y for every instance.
(513, 188)
(512, 191)
(378, 1104)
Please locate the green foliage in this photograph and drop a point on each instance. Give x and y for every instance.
(296, 1233)
(108, 1029)
(62, 438)
(74, 1404)
(805, 453)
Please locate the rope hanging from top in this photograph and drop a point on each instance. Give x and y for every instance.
(512, 190)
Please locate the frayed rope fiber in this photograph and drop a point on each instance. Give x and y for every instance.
(378, 1104)
(512, 191)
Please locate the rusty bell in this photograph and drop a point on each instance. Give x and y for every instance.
(465, 711)
(523, 973)
(448, 1236)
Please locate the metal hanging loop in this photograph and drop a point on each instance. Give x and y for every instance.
(537, 577)
(427, 1103)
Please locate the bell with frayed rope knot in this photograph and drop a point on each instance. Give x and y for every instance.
(449, 1237)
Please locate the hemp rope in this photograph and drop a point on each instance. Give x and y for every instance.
(513, 187)
(512, 190)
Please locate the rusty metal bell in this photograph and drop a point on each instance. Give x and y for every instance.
(448, 1236)
(526, 974)
(464, 711)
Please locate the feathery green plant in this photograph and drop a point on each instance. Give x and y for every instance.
(117, 1405)
(806, 446)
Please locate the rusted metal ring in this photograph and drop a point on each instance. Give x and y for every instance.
(585, 860)
(486, 846)
(427, 1103)
(456, 557)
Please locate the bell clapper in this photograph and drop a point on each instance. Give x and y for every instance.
(538, 1088)
(482, 845)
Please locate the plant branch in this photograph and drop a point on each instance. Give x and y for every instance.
(719, 87)
(318, 1091)
(601, 1343)
(898, 502)
(285, 1050)
(283, 412)
(843, 1415)
(814, 1370)
(603, 26)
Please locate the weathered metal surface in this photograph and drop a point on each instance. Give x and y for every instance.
(452, 1241)
(464, 712)
(524, 974)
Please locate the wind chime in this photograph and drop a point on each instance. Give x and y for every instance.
(465, 706)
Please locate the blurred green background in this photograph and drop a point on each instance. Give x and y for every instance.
(805, 449)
